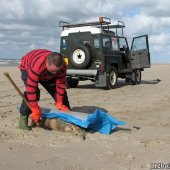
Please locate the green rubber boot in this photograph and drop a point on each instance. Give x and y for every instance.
(23, 123)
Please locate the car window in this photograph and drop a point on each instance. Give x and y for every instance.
(114, 43)
(96, 43)
(122, 42)
(63, 45)
(139, 43)
(106, 42)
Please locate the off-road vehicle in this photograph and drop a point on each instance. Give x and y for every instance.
(99, 51)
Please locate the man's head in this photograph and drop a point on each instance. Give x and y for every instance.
(54, 62)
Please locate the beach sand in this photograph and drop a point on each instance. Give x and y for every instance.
(143, 141)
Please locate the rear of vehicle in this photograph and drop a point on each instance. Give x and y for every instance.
(96, 51)
(83, 53)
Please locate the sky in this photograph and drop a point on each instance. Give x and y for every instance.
(27, 25)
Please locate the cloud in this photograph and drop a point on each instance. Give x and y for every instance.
(160, 39)
(158, 9)
(17, 26)
(12, 9)
(142, 24)
(1, 35)
(26, 25)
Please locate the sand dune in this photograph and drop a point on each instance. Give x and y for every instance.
(144, 140)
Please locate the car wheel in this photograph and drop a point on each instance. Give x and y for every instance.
(136, 77)
(112, 78)
(81, 57)
(72, 83)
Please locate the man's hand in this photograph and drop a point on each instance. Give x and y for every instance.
(36, 113)
(61, 106)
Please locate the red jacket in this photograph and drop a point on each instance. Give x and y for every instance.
(35, 64)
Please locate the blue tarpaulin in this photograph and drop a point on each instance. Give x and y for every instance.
(98, 121)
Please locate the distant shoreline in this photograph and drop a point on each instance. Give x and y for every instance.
(9, 62)
(15, 62)
(8, 65)
(16, 65)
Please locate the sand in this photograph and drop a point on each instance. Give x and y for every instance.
(144, 140)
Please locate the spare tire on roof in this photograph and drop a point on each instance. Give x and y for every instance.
(81, 57)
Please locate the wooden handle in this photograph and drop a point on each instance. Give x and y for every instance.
(39, 123)
(17, 89)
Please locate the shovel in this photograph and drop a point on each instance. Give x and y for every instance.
(39, 123)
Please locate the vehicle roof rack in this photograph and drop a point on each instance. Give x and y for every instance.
(102, 21)
(119, 25)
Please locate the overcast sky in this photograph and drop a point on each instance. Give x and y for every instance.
(27, 25)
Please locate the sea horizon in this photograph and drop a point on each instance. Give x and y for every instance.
(16, 61)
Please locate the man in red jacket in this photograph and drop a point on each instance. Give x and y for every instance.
(49, 69)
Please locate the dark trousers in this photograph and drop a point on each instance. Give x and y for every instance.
(49, 85)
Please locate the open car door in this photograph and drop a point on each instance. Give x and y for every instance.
(139, 54)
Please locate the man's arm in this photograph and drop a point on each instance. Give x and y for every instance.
(32, 86)
(61, 84)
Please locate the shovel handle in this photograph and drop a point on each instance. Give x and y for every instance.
(39, 123)
(17, 89)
